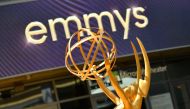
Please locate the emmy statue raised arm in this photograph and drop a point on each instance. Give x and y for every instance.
(99, 44)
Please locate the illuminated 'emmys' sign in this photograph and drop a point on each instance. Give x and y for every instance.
(41, 32)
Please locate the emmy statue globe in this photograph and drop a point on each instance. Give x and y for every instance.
(98, 45)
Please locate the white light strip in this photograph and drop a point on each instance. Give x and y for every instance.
(8, 2)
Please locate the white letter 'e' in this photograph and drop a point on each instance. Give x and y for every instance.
(30, 33)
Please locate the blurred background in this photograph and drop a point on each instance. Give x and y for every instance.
(35, 77)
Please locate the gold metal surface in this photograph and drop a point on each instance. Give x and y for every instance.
(101, 44)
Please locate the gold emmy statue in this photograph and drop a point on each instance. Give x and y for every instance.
(101, 44)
